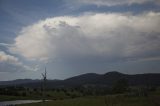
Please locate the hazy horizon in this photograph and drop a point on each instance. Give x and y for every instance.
(75, 76)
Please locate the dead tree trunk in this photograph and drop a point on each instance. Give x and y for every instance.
(44, 76)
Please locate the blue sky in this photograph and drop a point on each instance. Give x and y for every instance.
(72, 37)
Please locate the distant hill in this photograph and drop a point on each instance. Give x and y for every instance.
(108, 79)
(18, 81)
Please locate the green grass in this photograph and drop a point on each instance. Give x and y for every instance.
(50, 95)
(98, 101)
(61, 99)
(10, 98)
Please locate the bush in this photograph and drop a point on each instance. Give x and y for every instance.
(120, 86)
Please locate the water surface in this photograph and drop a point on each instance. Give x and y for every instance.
(16, 102)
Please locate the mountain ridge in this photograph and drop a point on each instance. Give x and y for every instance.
(107, 79)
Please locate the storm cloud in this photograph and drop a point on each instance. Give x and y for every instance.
(92, 37)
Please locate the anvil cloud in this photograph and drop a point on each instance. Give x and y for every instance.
(92, 37)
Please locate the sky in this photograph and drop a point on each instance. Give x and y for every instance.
(73, 37)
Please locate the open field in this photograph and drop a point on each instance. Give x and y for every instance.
(60, 98)
(11, 93)
(119, 95)
(9, 98)
(101, 101)
(75, 98)
(111, 100)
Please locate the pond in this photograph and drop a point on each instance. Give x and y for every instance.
(15, 102)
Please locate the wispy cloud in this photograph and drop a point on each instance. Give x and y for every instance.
(150, 59)
(6, 45)
(9, 63)
(112, 2)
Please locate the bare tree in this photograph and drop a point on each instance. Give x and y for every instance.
(44, 76)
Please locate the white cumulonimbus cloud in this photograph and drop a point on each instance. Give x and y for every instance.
(9, 63)
(112, 2)
(104, 36)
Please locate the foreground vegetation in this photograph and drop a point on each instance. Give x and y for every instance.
(20, 92)
(112, 100)
(120, 94)
(125, 99)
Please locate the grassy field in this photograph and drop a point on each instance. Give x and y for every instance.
(114, 100)
(60, 98)
(34, 95)
(8, 98)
